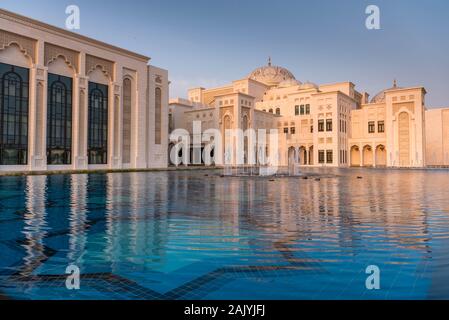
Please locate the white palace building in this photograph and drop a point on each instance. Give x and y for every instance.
(330, 125)
(68, 102)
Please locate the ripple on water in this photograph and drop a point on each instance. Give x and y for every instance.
(294, 238)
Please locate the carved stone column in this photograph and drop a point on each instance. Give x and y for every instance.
(80, 113)
(115, 160)
(362, 160)
(38, 118)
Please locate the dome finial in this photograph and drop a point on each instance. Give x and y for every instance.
(269, 61)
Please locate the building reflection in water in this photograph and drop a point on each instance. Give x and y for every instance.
(35, 225)
(344, 210)
(133, 217)
(136, 218)
(78, 220)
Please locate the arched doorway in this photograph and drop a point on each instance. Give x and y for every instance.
(245, 126)
(228, 146)
(355, 156)
(311, 160)
(302, 156)
(368, 156)
(212, 156)
(170, 160)
(291, 156)
(381, 156)
(404, 139)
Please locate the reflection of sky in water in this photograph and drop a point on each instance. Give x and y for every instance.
(185, 235)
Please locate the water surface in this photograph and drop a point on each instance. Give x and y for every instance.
(194, 235)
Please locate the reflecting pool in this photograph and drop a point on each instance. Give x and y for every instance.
(196, 235)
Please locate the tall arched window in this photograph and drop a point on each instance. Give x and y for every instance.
(278, 111)
(59, 120)
(404, 139)
(245, 123)
(158, 115)
(97, 148)
(245, 127)
(13, 115)
(126, 120)
(227, 122)
(227, 140)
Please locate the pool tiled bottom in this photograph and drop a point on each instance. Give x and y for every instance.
(182, 235)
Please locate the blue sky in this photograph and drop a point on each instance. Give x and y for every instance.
(211, 42)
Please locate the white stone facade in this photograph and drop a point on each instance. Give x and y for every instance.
(331, 125)
(135, 107)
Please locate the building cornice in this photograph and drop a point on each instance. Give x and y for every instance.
(370, 105)
(226, 87)
(406, 89)
(336, 84)
(327, 92)
(200, 109)
(17, 18)
(251, 80)
(234, 94)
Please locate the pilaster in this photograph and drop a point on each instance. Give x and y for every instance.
(115, 126)
(80, 121)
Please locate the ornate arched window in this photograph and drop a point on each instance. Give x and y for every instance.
(158, 115)
(126, 120)
(97, 148)
(227, 122)
(227, 139)
(245, 123)
(245, 127)
(13, 115)
(59, 120)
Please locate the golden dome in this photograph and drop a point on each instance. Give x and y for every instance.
(271, 75)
